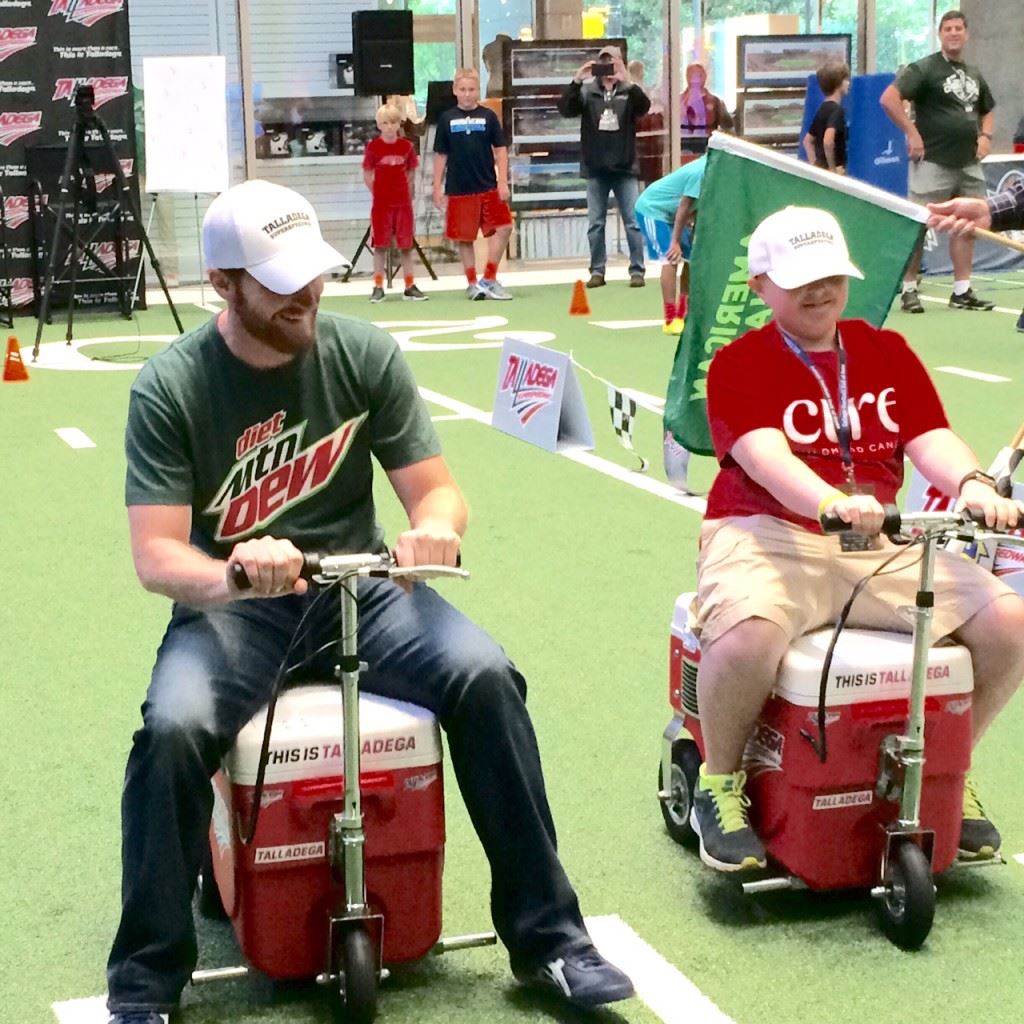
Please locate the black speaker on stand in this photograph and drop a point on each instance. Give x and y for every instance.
(382, 52)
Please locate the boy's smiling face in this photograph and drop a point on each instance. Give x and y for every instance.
(808, 313)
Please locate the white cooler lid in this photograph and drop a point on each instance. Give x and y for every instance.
(867, 665)
(306, 742)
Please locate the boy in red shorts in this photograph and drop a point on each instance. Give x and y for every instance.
(471, 163)
(388, 168)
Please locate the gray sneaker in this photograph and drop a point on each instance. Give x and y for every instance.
(413, 294)
(493, 289)
(377, 295)
(719, 817)
(910, 301)
(475, 293)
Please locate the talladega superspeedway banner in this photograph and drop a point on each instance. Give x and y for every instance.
(47, 49)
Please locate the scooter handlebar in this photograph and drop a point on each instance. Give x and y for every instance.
(832, 523)
(896, 521)
(314, 563)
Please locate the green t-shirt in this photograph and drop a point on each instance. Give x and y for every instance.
(282, 452)
(949, 100)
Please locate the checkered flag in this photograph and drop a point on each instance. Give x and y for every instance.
(623, 410)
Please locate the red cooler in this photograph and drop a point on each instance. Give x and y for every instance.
(279, 890)
(823, 822)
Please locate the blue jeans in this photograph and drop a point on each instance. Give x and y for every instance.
(625, 188)
(215, 669)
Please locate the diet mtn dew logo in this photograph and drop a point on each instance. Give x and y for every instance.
(84, 12)
(13, 40)
(106, 89)
(14, 124)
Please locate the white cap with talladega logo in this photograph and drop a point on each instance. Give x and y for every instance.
(798, 245)
(270, 231)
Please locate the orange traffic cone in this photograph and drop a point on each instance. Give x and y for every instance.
(579, 305)
(14, 368)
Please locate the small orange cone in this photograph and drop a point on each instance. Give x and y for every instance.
(579, 305)
(14, 368)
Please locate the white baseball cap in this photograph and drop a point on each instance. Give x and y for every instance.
(797, 245)
(272, 232)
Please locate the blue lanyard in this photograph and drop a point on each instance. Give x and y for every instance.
(840, 419)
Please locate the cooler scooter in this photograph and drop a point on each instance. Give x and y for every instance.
(841, 793)
(313, 892)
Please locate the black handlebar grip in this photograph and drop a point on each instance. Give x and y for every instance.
(310, 567)
(240, 577)
(831, 523)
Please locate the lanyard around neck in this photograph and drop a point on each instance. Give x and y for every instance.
(840, 417)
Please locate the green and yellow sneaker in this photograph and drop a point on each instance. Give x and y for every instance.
(979, 838)
(719, 817)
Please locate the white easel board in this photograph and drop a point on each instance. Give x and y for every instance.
(186, 124)
(538, 398)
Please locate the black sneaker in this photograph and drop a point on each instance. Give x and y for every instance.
(719, 817)
(910, 301)
(413, 294)
(138, 1017)
(1020, 322)
(968, 300)
(377, 295)
(979, 838)
(580, 976)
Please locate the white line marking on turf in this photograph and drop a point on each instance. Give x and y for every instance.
(1019, 858)
(591, 461)
(652, 403)
(664, 988)
(82, 1011)
(625, 325)
(959, 371)
(75, 438)
(448, 418)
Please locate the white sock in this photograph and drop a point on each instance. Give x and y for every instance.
(959, 287)
(910, 286)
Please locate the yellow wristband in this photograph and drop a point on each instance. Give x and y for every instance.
(827, 500)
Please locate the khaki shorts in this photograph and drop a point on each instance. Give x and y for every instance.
(933, 183)
(762, 567)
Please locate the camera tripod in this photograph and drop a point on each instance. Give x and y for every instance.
(77, 176)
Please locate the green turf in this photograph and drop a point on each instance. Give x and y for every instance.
(576, 574)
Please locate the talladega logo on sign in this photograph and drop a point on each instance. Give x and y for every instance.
(107, 89)
(531, 384)
(14, 124)
(12, 40)
(85, 12)
(272, 475)
(16, 209)
(22, 292)
(104, 181)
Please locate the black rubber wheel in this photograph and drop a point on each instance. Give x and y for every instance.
(356, 964)
(908, 908)
(211, 906)
(676, 810)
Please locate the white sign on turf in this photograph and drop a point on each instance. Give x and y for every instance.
(538, 398)
(186, 117)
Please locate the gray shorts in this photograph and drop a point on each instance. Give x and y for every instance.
(933, 183)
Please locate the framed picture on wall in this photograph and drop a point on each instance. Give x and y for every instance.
(545, 68)
(345, 71)
(355, 135)
(785, 61)
(771, 115)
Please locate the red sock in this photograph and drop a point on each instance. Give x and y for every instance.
(471, 275)
(670, 312)
(409, 280)
(378, 280)
(682, 306)
(491, 271)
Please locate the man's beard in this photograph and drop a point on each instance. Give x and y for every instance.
(288, 338)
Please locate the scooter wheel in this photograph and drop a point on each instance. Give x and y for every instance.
(908, 908)
(357, 977)
(676, 809)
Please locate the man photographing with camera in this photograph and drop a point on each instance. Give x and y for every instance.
(608, 104)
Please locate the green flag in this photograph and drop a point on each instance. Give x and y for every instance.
(744, 183)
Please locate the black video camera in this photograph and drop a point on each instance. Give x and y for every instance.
(85, 99)
(602, 69)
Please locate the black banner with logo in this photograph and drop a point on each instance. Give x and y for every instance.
(48, 48)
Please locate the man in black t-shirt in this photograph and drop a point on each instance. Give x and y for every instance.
(471, 164)
(248, 440)
(950, 135)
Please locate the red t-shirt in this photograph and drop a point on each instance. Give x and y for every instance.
(390, 164)
(756, 381)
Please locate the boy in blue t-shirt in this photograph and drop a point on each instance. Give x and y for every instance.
(666, 212)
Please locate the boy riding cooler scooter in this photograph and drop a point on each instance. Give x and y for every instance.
(811, 415)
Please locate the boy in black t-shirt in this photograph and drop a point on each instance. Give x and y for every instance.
(471, 163)
(825, 141)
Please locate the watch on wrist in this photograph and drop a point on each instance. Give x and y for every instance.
(976, 474)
